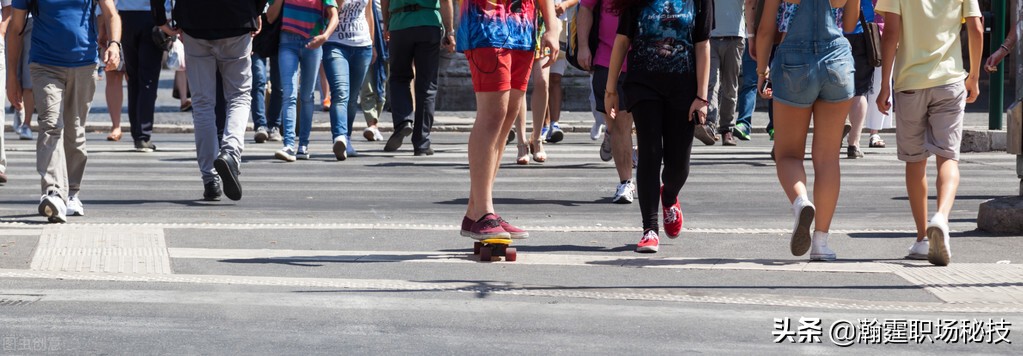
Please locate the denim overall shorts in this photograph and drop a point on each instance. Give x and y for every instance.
(814, 61)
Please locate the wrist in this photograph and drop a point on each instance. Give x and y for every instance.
(113, 42)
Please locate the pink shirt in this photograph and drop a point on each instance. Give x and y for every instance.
(608, 30)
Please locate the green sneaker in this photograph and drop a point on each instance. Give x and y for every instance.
(741, 131)
(771, 132)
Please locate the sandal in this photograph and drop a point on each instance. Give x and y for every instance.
(853, 152)
(523, 154)
(876, 142)
(114, 136)
(538, 154)
(186, 106)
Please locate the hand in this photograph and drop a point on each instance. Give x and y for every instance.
(550, 45)
(751, 44)
(559, 9)
(992, 62)
(767, 93)
(387, 36)
(14, 92)
(972, 88)
(700, 107)
(259, 27)
(448, 43)
(373, 60)
(112, 57)
(610, 105)
(585, 59)
(316, 42)
(883, 104)
(170, 31)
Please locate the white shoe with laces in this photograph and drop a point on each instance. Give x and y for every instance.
(75, 207)
(625, 193)
(918, 251)
(939, 253)
(819, 250)
(804, 212)
(606, 154)
(597, 131)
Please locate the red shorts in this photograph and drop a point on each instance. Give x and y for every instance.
(499, 69)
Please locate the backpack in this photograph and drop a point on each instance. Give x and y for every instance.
(572, 52)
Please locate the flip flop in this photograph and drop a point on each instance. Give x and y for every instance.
(876, 142)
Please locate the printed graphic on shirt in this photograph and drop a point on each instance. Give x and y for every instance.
(509, 24)
(664, 42)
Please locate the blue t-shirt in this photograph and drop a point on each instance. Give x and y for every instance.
(64, 33)
(866, 8)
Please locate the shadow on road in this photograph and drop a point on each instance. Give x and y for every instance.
(518, 201)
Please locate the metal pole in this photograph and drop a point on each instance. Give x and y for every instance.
(997, 78)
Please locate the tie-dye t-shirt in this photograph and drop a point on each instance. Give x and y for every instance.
(509, 24)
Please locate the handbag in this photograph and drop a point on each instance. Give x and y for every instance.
(872, 36)
(176, 56)
(267, 42)
(572, 52)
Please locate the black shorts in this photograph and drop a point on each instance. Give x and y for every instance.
(600, 84)
(864, 76)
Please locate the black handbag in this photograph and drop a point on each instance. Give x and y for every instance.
(572, 52)
(872, 36)
(268, 40)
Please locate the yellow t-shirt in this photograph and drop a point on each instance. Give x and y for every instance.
(930, 51)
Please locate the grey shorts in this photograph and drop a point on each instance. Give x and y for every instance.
(24, 75)
(930, 121)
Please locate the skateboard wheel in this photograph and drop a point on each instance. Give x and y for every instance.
(510, 254)
(476, 247)
(485, 254)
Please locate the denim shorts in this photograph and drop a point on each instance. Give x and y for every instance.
(802, 73)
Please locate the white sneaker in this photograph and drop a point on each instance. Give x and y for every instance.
(804, 211)
(303, 153)
(25, 132)
(605, 149)
(597, 131)
(350, 150)
(625, 193)
(939, 253)
(341, 148)
(635, 157)
(75, 207)
(286, 154)
(52, 207)
(918, 251)
(372, 134)
(819, 250)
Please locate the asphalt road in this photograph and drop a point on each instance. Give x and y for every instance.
(361, 256)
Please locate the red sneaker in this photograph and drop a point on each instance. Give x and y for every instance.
(516, 233)
(488, 227)
(649, 242)
(672, 217)
(466, 226)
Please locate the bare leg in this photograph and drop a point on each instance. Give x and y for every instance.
(857, 117)
(948, 184)
(541, 77)
(790, 147)
(621, 144)
(29, 104)
(828, 122)
(181, 81)
(916, 188)
(495, 114)
(324, 88)
(115, 101)
(555, 96)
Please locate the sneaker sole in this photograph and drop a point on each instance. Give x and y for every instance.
(284, 157)
(76, 212)
(304, 157)
(261, 137)
(144, 150)
(340, 151)
(228, 180)
(556, 136)
(800, 242)
(49, 210)
(481, 237)
(742, 136)
(368, 135)
(397, 139)
(938, 252)
(647, 249)
(703, 136)
(822, 257)
(621, 200)
(518, 235)
(915, 256)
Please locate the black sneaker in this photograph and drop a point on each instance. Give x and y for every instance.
(212, 190)
(227, 168)
(426, 152)
(511, 137)
(400, 132)
(144, 146)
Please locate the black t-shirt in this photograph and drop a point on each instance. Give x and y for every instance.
(663, 35)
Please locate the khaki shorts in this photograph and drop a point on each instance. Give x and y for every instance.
(930, 121)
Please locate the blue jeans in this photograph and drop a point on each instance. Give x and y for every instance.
(747, 90)
(291, 56)
(346, 68)
(261, 115)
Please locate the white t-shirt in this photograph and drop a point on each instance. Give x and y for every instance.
(352, 28)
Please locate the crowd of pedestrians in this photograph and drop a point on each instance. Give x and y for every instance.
(672, 71)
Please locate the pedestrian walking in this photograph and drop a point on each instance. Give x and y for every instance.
(65, 71)
(863, 80)
(142, 62)
(347, 55)
(666, 89)
(922, 43)
(415, 31)
(727, 44)
(306, 26)
(24, 110)
(499, 40)
(217, 35)
(373, 96)
(812, 79)
(266, 114)
(4, 8)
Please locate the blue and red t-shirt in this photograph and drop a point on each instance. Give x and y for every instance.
(509, 24)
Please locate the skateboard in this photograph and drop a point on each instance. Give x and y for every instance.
(490, 248)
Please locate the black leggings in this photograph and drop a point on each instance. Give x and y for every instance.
(663, 133)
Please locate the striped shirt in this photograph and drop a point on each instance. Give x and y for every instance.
(305, 17)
